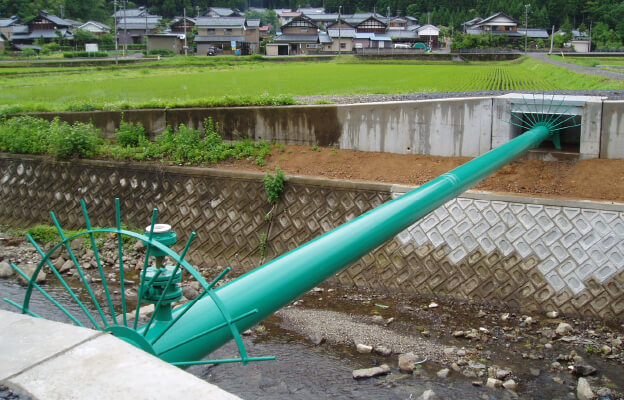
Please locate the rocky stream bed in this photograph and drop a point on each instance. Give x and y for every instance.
(435, 347)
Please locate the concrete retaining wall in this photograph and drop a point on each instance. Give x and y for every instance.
(529, 254)
(464, 127)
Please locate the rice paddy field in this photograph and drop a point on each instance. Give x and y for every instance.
(181, 83)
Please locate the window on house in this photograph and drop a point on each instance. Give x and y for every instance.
(212, 31)
(304, 29)
(228, 31)
(343, 45)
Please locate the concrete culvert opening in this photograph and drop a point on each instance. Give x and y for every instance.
(570, 130)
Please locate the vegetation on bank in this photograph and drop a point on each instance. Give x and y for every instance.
(30, 135)
(228, 83)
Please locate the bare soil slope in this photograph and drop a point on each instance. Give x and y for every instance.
(589, 179)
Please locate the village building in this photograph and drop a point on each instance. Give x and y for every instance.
(97, 28)
(45, 26)
(227, 34)
(132, 30)
(6, 26)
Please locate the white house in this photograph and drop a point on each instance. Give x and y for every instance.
(97, 28)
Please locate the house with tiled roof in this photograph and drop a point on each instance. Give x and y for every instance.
(502, 24)
(217, 12)
(181, 24)
(95, 27)
(342, 34)
(131, 13)
(132, 30)
(6, 26)
(44, 26)
(227, 34)
(300, 36)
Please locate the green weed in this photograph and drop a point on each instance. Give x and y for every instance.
(274, 185)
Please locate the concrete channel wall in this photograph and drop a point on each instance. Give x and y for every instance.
(459, 127)
(524, 253)
(50, 360)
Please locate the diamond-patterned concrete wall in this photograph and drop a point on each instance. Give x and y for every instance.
(531, 254)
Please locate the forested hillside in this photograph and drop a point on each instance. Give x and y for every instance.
(605, 16)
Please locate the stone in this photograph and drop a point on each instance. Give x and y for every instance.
(502, 374)
(67, 265)
(443, 373)
(383, 350)
(459, 334)
(505, 317)
(606, 350)
(564, 329)
(583, 370)
(433, 305)
(76, 244)
(363, 348)
(477, 383)
(583, 390)
(481, 314)
(428, 395)
(189, 292)
(407, 362)
(371, 372)
(449, 351)
(558, 380)
(58, 263)
(552, 314)
(510, 384)
(29, 270)
(5, 270)
(317, 339)
(535, 371)
(493, 383)
(378, 319)
(455, 367)
(548, 346)
(139, 246)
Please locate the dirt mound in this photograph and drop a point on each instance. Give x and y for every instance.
(595, 179)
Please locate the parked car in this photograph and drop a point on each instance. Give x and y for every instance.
(401, 46)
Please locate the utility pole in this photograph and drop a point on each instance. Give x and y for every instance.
(116, 34)
(197, 9)
(526, 26)
(339, 33)
(590, 35)
(552, 40)
(62, 10)
(125, 2)
(185, 46)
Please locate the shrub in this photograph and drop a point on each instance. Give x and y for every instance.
(28, 53)
(274, 185)
(129, 134)
(162, 52)
(78, 140)
(25, 135)
(44, 234)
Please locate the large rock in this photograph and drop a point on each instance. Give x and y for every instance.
(363, 348)
(407, 362)
(29, 270)
(428, 395)
(494, 383)
(371, 372)
(510, 384)
(189, 292)
(564, 329)
(443, 373)
(67, 266)
(583, 390)
(5, 270)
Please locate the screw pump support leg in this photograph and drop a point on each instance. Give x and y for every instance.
(259, 293)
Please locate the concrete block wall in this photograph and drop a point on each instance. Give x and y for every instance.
(525, 253)
(459, 127)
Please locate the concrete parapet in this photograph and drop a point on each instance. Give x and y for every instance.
(454, 127)
(51, 360)
(612, 131)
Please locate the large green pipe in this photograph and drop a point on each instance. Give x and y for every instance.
(275, 284)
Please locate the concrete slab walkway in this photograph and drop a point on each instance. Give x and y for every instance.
(50, 360)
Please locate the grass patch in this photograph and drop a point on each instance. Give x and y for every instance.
(247, 81)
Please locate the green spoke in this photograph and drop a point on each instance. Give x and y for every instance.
(63, 282)
(47, 296)
(80, 272)
(206, 332)
(27, 311)
(145, 265)
(122, 282)
(191, 304)
(99, 262)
